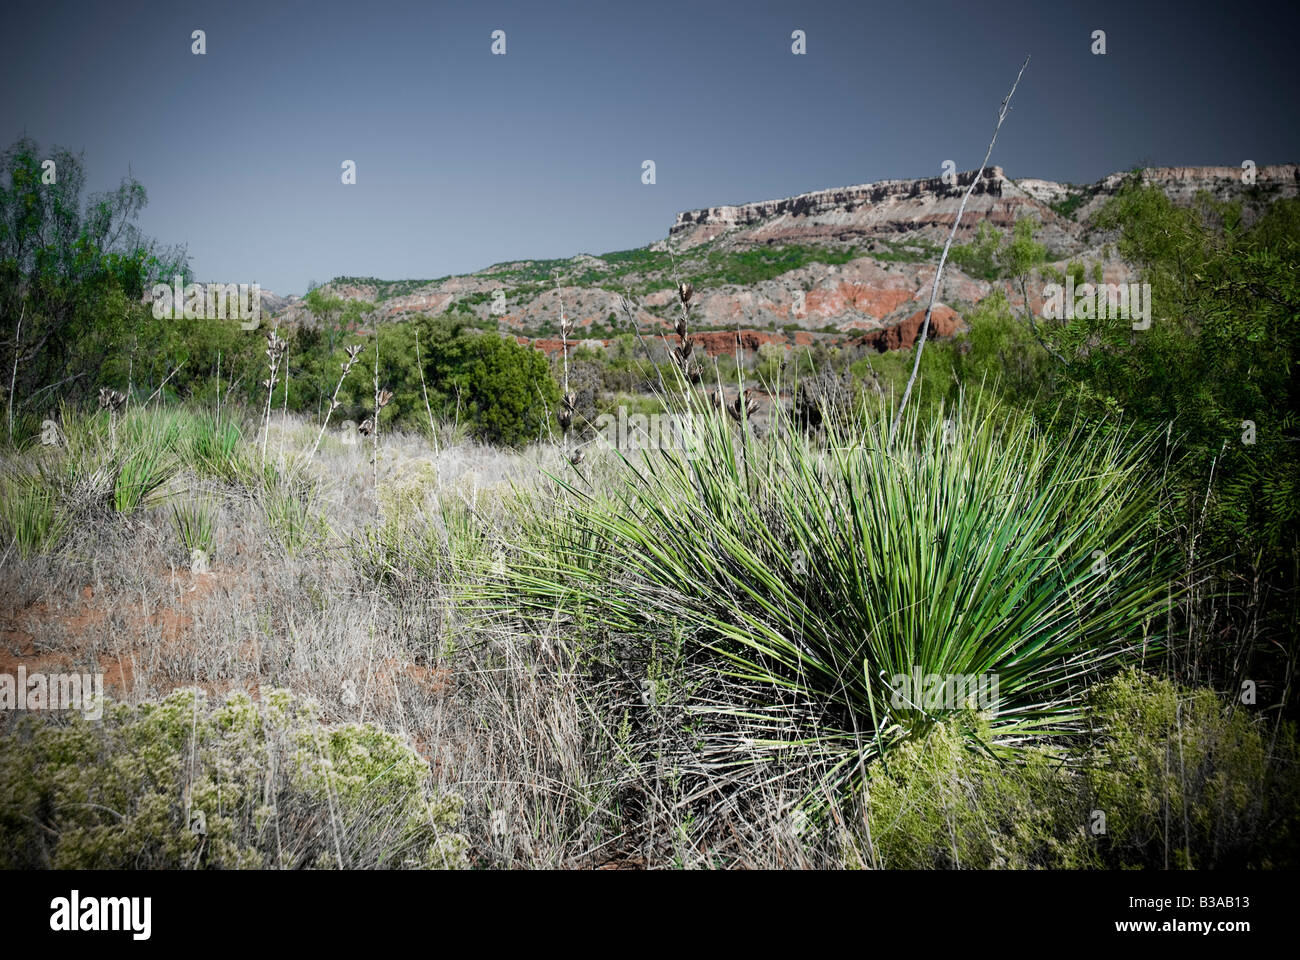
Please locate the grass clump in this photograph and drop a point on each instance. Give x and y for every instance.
(215, 450)
(288, 504)
(116, 462)
(179, 783)
(141, 476)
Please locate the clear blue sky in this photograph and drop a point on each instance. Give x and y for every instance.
(465, 158)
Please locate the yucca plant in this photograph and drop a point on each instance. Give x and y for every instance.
(84, 477)
(214, 449)
(143, 473)
(84, 474)
(115, 464)
(32, 516)
(811, 578)
(193, 521)
(289, 506)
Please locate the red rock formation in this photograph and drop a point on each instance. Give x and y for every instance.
(718, 342)
(944, 322)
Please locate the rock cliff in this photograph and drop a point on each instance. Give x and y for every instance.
(869, 254)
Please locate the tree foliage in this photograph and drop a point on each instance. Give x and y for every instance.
(72, 271)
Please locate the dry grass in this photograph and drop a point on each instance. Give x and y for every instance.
(497, 719)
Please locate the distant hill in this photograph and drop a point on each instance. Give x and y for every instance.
(849, 262)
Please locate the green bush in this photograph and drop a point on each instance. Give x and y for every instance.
(1182, 780)
(178, 784)
(998, 352)
(936, 803)
(501, 391)
(508, 390)
(1188, 782)
(979, 257)
(1221, 353)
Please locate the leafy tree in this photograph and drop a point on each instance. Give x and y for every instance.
(979, 257)
(998, 352)
(72, 272)
(507, 388)
(327, 309)
(504, 392)
(318, 348)
(1219, 360)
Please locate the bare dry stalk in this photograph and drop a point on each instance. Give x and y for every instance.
(375, 428)
(13, 378)
(352, 353)
(938, 274)
(626, 303)
(218, 389)
(113, 401)
(164, 383)
(681, 354)
(568, 402)
(274, 351)
(433, 435)
(564, 334)
(284, 413)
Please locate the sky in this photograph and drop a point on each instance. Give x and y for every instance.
(466, 158)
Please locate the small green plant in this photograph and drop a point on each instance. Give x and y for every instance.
(288, 506)
(193, 520)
